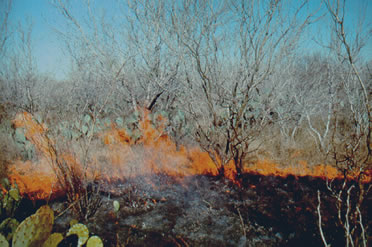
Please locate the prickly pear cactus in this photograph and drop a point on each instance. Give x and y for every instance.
(14, 193)
(25, 146)
(34, 230)
(9, 205)
(8, 227)
(53, 240)
(94, 241)
(3, 241)
(81, 231)
(9, 199)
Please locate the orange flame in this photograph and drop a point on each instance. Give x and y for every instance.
(123, 157)
(153, 152)
(36, 180)
(266, 167)
(35, 132)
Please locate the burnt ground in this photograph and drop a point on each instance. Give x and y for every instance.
(212, 211)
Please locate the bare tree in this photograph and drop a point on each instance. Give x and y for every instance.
(316, 94)
(22, 82)
(351, 151)
(153, 77)
(232, 90)
(97, 58)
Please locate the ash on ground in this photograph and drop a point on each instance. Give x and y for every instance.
(212, 211)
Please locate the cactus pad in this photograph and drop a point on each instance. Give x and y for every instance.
(14, 193)
(8, 227)
(94, 241)
(34, 230)
(3, 241)
(10, 199)
(81, 231)
(53, 240)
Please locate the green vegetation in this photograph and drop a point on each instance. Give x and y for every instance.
(36, 230)
(9, 199)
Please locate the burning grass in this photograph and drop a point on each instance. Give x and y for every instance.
(121, 157)
(172, 194)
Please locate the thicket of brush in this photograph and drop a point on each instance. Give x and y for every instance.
(230, 77)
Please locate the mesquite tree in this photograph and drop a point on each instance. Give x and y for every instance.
(351, 151)
(234, 48)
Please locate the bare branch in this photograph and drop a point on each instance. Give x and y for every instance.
(320, 222)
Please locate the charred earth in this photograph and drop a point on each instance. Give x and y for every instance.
(211, 211)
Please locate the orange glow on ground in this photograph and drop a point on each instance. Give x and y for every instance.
(122, 157)
(266, 167)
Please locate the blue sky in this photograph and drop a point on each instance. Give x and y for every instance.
(48, 51)
(46, 46)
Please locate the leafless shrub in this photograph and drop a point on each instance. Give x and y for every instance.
(351, 151)
(83, 193)
(82, 190)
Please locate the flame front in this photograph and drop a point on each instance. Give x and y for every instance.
(153, 152)
(121, 157)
